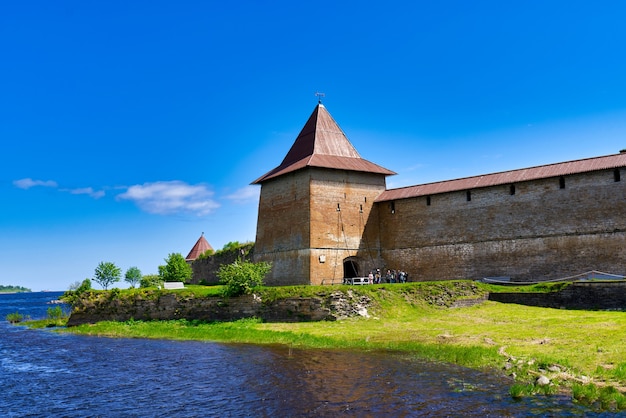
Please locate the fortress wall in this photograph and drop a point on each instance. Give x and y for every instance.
(338, 234)
(204, 270)
(283, 228)
(540, 232)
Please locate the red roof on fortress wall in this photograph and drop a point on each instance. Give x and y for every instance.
(507, 177)
(322, 143)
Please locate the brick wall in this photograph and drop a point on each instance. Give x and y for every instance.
(540, 232)
(282, 236)
(204, 271)
(312, 220)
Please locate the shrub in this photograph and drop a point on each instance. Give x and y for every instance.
(71, 297)
(235, 247)
(151, 280)
(15, 317)
(55, 313)
(206, 254)
(84, 286)
(242, 277)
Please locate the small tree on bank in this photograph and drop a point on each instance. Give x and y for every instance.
(176, 269)
(151, 280)
(242, 277)
(133, 276)
(106, 274)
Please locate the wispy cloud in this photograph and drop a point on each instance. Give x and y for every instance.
(86, 190)
(27, 183)
(169, 197)
(245, 194)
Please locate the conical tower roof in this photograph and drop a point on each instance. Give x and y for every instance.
(201, 246)
(322, 143)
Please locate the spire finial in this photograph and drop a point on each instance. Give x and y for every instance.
(319, 96)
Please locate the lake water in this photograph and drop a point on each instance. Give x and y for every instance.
(46, 374)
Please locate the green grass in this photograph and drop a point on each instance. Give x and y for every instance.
(578, 350)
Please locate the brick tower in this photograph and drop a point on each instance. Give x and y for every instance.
(317, 221)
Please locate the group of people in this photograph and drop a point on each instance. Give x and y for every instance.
(391, 276)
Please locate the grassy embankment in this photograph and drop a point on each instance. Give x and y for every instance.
(583, 351)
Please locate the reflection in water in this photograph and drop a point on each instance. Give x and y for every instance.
(46, 374)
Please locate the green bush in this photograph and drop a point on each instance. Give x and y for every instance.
(151, 280)
(206, 254)
(15, 317)
(235, 247)
(242, 277)
(55, 313)
(72, 296)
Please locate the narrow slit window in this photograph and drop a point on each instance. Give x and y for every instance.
(468, 196)
(561, 182)
(427, 200)
(616, 175)
(512, 189)
(392, 206)
(338, 208)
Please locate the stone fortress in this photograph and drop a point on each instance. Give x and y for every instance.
(325, 214)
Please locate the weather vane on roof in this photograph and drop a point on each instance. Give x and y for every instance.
(319, 96)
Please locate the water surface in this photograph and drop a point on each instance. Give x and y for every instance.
(43, 374)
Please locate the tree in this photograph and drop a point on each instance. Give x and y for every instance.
(176, 269)
(133, 276)
(106, 274)
(80, 287)
(150, 280)
(241, 277)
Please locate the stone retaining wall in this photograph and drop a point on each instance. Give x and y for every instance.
(579, 295)
(170, 305)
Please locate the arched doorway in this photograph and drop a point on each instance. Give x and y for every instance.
(350, 268)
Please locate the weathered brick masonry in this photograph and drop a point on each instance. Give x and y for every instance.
(313, 220)
(540, 232)
(325, 214)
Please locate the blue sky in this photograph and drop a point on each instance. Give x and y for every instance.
(129, 128)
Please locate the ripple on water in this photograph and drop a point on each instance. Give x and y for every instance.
(46, 374)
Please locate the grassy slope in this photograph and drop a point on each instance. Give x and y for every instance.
(583, 343)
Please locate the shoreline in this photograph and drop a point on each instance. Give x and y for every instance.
(537, 347)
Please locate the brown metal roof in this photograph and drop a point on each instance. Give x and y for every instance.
(322, 143)
(507, 177)
(201, 246)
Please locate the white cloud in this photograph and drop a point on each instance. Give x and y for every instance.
(245, 194)
(86, 190)
(169, 197)
(27, 183)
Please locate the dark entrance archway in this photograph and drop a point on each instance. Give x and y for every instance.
(350, 268)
